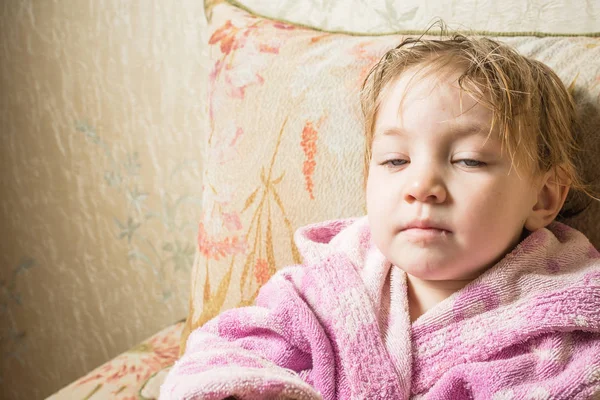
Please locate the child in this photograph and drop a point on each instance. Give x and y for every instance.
(457, 284)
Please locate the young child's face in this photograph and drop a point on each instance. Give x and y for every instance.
(443, 203)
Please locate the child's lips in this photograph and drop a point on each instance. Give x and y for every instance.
(423, 230)
(425, 225)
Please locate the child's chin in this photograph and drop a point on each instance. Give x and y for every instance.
(428, 270)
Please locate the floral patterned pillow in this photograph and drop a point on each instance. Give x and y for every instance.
(284, 141)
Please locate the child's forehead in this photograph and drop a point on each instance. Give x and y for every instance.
(422, 79)
(416, 90)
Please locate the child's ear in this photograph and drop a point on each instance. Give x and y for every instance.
(550, 199)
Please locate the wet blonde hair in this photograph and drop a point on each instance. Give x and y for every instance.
(533, 111)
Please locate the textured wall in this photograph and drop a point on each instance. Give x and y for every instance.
(101, 117)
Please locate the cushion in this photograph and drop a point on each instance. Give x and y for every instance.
(384, 16)
(284, 141)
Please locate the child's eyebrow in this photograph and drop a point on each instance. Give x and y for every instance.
(461, 130)
(469, 129)
(391, 132)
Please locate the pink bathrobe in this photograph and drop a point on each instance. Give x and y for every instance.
(338, 327)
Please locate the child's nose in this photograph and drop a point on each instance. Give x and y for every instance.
(425, 186)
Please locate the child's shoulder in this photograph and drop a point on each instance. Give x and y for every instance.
(334, 246)
(326, 240)
(333, 252)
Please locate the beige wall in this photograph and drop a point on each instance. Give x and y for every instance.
(100, 157)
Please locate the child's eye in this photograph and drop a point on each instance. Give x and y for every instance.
(394, 163)
(471, 163)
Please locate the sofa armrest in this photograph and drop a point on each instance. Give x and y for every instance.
(127, 375)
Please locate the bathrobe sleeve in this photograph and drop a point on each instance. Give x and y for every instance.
(275, 348)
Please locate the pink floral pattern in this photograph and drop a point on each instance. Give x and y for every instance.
(309, 147)
(261, 271)
(216, 249)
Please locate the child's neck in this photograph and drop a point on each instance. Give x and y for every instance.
(424, 295)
